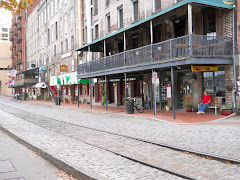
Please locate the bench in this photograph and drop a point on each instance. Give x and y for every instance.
(216, 102)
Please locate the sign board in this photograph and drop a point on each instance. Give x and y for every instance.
(42, 68)
(67, 54)
(169, 91)
(204, 68)
(63, 68)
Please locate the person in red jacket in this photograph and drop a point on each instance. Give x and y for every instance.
(206, 100)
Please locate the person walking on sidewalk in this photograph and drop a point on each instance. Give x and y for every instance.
(206, 100)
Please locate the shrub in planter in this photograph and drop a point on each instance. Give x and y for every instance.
(188, 107)
(226, 110)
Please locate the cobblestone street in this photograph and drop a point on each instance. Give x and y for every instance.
(95, 143)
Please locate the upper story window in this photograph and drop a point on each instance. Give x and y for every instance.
(45, 15)
(61, 47)
(156, 5)
(52, 33)
(134, 10)
(56, 26)
(48, 11)
(4, 29)
(72, 42)
(52, 8)
(107, 3)
(66, 45)
(96, 31)
(66, 25)
(120, 16)
(56, 6)
(72, 18)
(108, 23)
(42, 18)
(95, 6)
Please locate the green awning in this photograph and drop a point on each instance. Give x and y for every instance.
(84, 81)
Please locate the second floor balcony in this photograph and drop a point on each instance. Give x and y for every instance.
(19, 26)
(19, 38)
(25, 81)
(171, 51)
(19, 49)
(19, 61)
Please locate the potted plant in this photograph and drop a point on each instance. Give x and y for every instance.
(72, 100)
(25, 96)
(188, 107)
(226, 110)
(167, 107)
(65, 100)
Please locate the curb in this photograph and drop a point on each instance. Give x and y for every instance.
(56, 162)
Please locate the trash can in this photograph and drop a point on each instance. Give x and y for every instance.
(57, 101)
(129, 102)
(17, 96)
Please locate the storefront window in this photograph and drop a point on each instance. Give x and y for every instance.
(214, 83)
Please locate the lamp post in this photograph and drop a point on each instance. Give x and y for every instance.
(58, 91)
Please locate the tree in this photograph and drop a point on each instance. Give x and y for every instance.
(15, 6)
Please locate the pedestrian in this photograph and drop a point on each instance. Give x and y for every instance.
(206, 100)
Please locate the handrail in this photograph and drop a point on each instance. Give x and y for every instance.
(170, 50)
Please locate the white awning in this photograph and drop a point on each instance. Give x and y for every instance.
(40, 85)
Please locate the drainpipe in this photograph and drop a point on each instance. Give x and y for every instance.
(234, 61)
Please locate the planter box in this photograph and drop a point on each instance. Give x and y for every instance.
(188, 109)
(226, 112)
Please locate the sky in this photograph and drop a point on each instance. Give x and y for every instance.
(5, 17)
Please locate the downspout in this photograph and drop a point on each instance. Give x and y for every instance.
(234, 61)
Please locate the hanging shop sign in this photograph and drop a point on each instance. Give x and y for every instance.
(66, 55)
(42, 68)
(204, 68)
(63, 68)
(229, 2)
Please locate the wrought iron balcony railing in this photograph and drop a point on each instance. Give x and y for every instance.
(19, 38)
(171, 50)
(19, 49)
(19, 26)
(19, 61)
(25, 81)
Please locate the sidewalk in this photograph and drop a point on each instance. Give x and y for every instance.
(181, 115)
(19, 163)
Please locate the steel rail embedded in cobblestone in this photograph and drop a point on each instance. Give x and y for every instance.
(215, 157)
(120, 154)
(123, 155)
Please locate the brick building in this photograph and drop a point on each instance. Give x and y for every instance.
(188, 43)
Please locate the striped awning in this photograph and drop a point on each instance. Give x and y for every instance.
(64, 78)
(55, 80)
(67, 79)
(73, 78)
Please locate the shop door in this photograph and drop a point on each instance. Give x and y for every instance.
(111, 92)
(98, 93)
(122, 91)
(186, 92)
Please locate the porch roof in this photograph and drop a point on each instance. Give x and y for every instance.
(215, 3)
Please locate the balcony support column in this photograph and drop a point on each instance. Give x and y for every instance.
(106, 95)
(104, 52)
(90, 86)
(78, 92)
(124, 47)
(173, 96)
(125, 74)
(190, 20)
(89, 49)
(190, 29)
